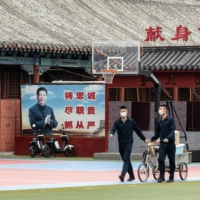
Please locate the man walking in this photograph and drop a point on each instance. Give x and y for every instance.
(124, 127)
(166, 130)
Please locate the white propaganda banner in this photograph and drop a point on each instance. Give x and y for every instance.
(80, 108)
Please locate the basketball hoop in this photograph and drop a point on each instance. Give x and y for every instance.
(108, 75)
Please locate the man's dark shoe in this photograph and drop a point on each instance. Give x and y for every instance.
(121, 178)
(131, 179)
(160, 180)
(170, 181)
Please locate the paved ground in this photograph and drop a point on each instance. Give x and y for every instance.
(19, 174)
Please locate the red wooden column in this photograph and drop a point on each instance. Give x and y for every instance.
(121, 94)
(175, 94)
(36, 75)
(142, 95)
(106, 116)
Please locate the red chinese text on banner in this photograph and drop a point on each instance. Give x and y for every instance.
(79, 95)
(79, 125)
(91, 96)
(68, 125)
(91, 110)
(79, 110)
(90, 123)
(68, 95)
(68, 109)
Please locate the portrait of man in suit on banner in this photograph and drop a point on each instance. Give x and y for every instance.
(41, 116)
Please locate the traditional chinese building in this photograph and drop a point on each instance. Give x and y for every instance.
(42, 41)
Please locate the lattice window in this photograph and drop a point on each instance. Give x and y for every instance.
(184, 94)
(130, 94)
(25, 78)
(150, 94)
(14, 86)
(163, 96)
(195, 94)
(74, 77)
(113, 94)
(87, 78)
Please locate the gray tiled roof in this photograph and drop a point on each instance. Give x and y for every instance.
(159, 58)
(75, 23)
(171, 58)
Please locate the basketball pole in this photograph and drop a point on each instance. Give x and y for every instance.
(157, 91)
(158, 88)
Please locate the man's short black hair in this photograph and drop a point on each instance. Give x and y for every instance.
(123, 107)
(163, 105)
(41, 89)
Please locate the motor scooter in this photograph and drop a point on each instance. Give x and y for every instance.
(54, 147)
(37, 146)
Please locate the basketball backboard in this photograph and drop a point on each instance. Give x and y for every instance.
(122, 56)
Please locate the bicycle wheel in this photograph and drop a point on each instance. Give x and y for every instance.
(183, 171)
(143, 172)
(156, 174)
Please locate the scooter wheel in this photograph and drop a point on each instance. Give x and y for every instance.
(46, 152)
(69, 152)
(32, 152)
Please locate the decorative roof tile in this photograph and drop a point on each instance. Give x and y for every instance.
(171, 58)
(73, 25)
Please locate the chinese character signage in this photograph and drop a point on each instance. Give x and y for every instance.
(153, 34)
(79, 108)
(181, 33)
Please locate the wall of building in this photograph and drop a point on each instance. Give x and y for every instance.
(143, 114)
(10, 123)
(181, 87)
(124, 84)
(84, 146)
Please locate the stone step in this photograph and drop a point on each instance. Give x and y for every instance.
(6, 153)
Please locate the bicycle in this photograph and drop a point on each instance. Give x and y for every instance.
(181, 161)
(150, 159)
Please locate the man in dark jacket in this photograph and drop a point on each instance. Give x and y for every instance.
(165, 131)
(42, 116)
(124, 127)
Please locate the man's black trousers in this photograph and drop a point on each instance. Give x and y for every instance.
(170, 150)
(125, 152)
